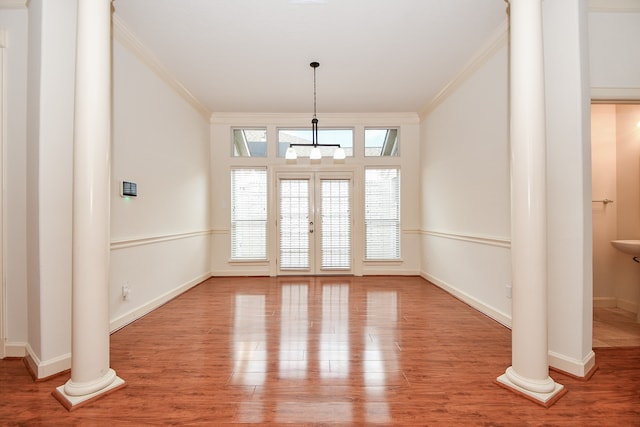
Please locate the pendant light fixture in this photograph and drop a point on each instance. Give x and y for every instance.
(314, 154)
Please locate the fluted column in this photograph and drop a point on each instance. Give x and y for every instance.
(91, 375)
(529, 373)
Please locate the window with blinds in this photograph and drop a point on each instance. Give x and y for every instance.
(382, 214)
(249, 214)
(294, 224)
(336, 224)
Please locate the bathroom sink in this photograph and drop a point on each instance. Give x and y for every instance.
(627, 246)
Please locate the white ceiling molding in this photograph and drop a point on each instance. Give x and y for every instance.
(499, 39)
(326, 119)
(13, 4)
(620, 6)
(126, 37)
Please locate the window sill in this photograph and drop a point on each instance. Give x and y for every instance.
(383, 261)
(248, 262)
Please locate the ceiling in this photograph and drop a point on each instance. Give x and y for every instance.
(252, 56)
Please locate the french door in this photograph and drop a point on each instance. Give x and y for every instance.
(314, 223)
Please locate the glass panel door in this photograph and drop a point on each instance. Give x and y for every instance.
(295, 225)
(335, 214)
(314, 223)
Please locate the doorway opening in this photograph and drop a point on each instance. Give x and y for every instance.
(615, 156)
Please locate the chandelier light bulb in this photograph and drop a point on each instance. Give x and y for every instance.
(315, 154)
(291, 154)
(339, 154)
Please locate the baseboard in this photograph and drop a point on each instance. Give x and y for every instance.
(613, 302)
(387, 272)
(15, 349)
(48, 368)
(483, 308)
(133, 315)
(574, 367)
(605, 302)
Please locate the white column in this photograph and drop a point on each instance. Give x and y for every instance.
(529, 373)
(91, 375)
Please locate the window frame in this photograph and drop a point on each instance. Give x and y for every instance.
(266, 231)
(395, 149)
(249, 128)
(398, 238)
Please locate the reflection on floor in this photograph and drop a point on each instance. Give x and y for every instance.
(615, 327)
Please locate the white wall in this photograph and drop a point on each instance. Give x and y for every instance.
(569, 242)
(465, 190)
(49, 182)
(614, 51)
(408, 161)
(14, 22)
(161, 238)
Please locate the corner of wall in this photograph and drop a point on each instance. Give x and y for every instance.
(48, 368)
(578, 368)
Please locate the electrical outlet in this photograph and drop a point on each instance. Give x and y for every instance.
(126, 291)
(508, 291)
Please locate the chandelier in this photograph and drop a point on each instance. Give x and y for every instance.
(314, 154)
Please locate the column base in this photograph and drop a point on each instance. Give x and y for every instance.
(545, 399)
(73, 402)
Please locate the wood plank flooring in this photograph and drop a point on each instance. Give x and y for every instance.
(321, 351)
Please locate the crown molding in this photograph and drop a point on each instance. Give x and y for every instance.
(615, 6)
(14, 4)
(329, 119)
(498, 40)
(130, 41)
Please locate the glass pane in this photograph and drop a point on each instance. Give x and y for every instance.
(382, 214)
(343, 137)
(294, 224)
(248, 214)
(336, 224)
(381, 142)
(249, 143)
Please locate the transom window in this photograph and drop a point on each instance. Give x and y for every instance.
(381, 142)
(249, 142)
(344, 137)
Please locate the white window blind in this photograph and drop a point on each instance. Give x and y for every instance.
(248, 214)
(294, 224)
(336, 224)
(382, 214)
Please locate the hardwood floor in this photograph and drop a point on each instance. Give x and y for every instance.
(317, 351)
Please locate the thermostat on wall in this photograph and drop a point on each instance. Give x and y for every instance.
(129, 189)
